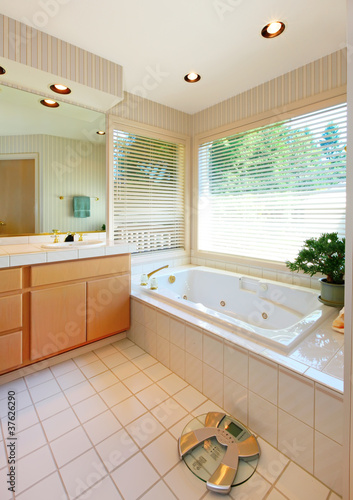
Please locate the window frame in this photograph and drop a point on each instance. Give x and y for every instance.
(153, 132)
(270, 117)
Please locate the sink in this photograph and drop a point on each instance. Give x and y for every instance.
(75, 244)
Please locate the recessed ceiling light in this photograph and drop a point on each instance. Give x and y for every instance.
(192, 77)
(100, 132)
(273, 29)
(60, 89)
(2, 70)
(49, 103)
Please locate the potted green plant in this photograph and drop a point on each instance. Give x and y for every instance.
(325, 255)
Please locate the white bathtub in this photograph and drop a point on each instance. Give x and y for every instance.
(270, 312)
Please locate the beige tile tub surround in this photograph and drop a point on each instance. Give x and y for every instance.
(85, 427)
(299, 416)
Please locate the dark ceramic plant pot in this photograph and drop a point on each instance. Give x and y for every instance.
(332, 294)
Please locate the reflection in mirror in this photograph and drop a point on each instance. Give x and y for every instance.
(48, 156)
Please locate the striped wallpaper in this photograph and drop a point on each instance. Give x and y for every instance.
(34, 48)
(306, 82)
(143, 110)
(67, 167)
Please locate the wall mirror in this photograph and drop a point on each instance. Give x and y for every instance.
(47, 157)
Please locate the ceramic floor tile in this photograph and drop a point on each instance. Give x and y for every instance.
(159, 492)
(3, 456)
(163, 453)
(104, 380)
(102, 426)
(275, 495)
(172, 384)
(62, 368)
(85, 359)
(40, 491)
(29, 440)
(116, 449)
(44, 390)
(93, 369)
(184, 484)
(70, 446)
(79, 392)
(59, 424)
(123, 344)
(82, 473)
(115, 394)
(169, 412)
(25, 418)
(125, 477)
(271, 462)
(157, 371)
(137, 382)
(296, 484)
(133, 351)
(38, 377)
(104, 490)
(125, 370)
(5, 493)
(144, 361)
(144, 429)
(23, 400)
(17, 385)
(256, 488)
(190, 398)
(71, 378)
(105, 351)
(89, 408)
(152, 396)
(128, 410)
(115, 359)
(33, 468)
(50, 406)
(205, 408)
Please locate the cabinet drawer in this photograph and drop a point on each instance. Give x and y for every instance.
(60, 272)
(10, 350)
(10, 280)
(10, 312)
(58, 319)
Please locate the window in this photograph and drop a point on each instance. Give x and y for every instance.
(148, 191)
(264, 191)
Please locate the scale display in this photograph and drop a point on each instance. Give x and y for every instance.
(225, 459)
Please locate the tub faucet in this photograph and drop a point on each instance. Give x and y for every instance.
(146, 277)
(150, 274)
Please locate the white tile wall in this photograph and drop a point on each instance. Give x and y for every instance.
(296, 440)
(263, 378)
(285, 407)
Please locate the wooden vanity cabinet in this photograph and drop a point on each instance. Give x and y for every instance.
(47, 309)
(11, 321)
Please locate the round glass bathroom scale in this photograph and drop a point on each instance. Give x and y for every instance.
(219, 450)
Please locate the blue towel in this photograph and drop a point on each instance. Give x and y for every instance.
(82, 206)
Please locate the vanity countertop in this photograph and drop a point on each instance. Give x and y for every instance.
(23, 254)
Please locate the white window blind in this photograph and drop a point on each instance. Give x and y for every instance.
(148, 192)
(263, 192)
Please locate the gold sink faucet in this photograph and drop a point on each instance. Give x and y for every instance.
(56, 235)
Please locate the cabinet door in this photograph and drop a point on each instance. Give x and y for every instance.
(58, 319)
(108, 306)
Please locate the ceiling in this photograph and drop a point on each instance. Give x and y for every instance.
(158, 41)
